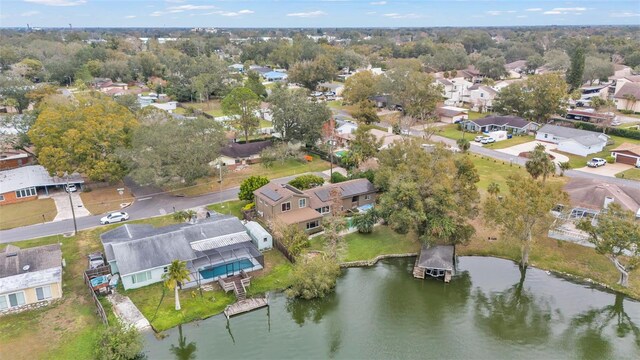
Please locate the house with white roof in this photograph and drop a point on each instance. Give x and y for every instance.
(573, 141)
(24, 183)
(213, 248)
(30, 277)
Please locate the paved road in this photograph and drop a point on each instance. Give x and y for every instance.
(149, 202)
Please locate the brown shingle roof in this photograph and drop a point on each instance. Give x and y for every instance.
(298, 216)
(237, 150)
(633, 148)
(628, 89)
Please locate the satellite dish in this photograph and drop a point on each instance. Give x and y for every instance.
(26, 268)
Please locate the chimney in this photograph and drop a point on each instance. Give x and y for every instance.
(607, 200)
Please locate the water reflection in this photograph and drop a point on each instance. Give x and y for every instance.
(314, 310)
(591, 327)
(515, 314)
(184, 350)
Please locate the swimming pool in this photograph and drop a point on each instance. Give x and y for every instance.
(228, 268)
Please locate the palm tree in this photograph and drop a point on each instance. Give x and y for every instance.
(539, 163)
(365, 222)
(493, 189)
(176, 274)
(184, 215)
(564, 166)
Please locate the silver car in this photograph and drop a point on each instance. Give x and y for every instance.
(114, 217)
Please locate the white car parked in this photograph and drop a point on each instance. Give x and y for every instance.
(597, 162)
(114, 217)
(487, 140)
(478, 138)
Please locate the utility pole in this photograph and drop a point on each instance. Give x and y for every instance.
(73, 211)
(220, 184)
(331, 157)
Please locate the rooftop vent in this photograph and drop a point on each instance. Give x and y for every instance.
(26, 268)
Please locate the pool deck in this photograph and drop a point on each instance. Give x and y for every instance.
(246, 305)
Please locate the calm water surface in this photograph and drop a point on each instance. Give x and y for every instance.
(382, 312)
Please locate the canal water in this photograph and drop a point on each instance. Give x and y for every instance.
(382, 312)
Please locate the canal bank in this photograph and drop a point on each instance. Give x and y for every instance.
(383, 312)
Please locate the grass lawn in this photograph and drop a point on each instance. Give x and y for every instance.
(265, 124)
(477, 115)
(234, 178)
(275, 275)
(491, 170)
(105, 199)
(233, 207)
(550, 254)
(516, 140)
(211, 107)
(69, 328)
(383, 240)
(632, 174)
(451, 131)
(27, 213)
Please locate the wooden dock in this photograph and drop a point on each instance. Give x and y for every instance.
(245, 305)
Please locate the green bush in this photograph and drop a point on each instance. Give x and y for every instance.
(610, 159)
(314, 278)
(308, 181)
(249, 185)
(249, 206)
(625, 133)
(336, 177)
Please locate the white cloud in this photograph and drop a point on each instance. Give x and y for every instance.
(403, 16)
(378, 3)
(190, 7)
(624, 14)
(500, 12)
(29, 13)
(157, 13)
(308, 14)
(58, 2)
(371, 12)
(534, 9)
(521, 16)
(130, 17)
(565, 11)
(228, 13)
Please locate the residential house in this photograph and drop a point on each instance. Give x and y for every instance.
(512, 124)
(275, 76)
(627, 96)
(456, 89)
(11, 158)
(169, 107)
(481, 97)
(347, 128)
(29, 277)
(589, 92)
(260, 69)
(24, 183)
(285, 204)
(589, 196)
(573, 141)
(589, 115)
(387, 137)
(215, 247)
(237, 154)
(470, 74)
(627, 153)
(620, 71)
(452, 114)
(334, 87)
(237, 67)
(516, 68)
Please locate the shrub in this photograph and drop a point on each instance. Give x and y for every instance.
(249, 206)
(249, 185)
(368, 174)
(610, 159)
(336, 177)
(314, 278)
(463, 145)
(365, 222)
(119, 342)
(308, 181)
(293, 238)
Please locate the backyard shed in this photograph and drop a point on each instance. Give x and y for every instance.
(259, 236)
(435, 261)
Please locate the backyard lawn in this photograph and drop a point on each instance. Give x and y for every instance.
(233, 207)
(632, 174)
(211, 107)
(27, 213)
(577, 161)
(383, 240)
(105, 199)
(491, 170)
(234, 178)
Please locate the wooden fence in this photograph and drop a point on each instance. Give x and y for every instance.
(103, 270)
(283, 249)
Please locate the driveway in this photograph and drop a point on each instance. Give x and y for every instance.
(608, 170)
(64, 208)
(529, 146)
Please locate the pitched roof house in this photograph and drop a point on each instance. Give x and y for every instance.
(627, 153)
(218, 246)
(627, 96)
(452, 114)
(481, 97)
(23, 183)
(573, 141)
(515, 124)
(29, 276)
(287, 205)
(236, 154)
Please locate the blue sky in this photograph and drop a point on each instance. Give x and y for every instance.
(315, 13)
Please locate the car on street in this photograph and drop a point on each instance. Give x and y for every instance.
(114, 217)
(71, 188)
(95, 260)
(478, 138)
(596, 162)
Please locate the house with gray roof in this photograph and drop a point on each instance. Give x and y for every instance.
(287, 205)
(218, 246)
(573, 141)
(435, 261)
(25, 183)
(512, 124)
(29, 277)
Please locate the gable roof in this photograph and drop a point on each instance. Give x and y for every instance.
(485, 88)
(589, 193)
(450, 111)
(628, 89)
(499, 120)
(321, 196)
(237, 150)
(272, 193)
(436, 257)
(632, 148)
(584, 137)
(13, 259)
(518, 64)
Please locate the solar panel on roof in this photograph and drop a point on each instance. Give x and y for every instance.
(271, 194)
